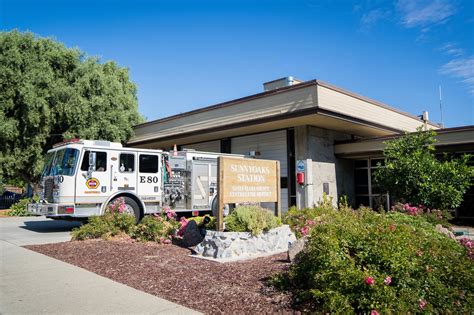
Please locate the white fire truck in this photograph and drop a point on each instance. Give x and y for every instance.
(81, 177)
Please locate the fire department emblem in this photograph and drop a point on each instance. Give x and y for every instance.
(92, 183)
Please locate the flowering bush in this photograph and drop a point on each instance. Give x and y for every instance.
(367, 262)
(159, 228)
(112, 223)
(469, 245)
(303, 221)
(433, 216)
(117, 206)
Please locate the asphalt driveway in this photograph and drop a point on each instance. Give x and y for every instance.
(31, 283)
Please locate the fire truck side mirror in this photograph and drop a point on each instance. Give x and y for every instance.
(92, 163)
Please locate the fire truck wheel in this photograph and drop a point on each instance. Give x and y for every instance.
(132, 208)
(214, 206)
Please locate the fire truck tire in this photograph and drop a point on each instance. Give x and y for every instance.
(214, 206)
(132, 206)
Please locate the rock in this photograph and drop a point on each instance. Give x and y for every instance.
(192, 236)
(445, 231)
(296, 247)
(243, 244)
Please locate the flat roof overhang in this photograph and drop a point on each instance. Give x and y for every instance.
(313, 103)
(457, 139)
(313, 117)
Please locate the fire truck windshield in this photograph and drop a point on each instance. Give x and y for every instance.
(61, 162)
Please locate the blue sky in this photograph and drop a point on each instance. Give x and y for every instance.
(188, 54)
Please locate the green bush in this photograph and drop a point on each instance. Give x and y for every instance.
(155, 228)
(302, 221)
(105, 226)
(363, 261)
(413, 173)
(253, 219)
(19, 208)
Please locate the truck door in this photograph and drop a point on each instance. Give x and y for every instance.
(125, 176)
(96, 188)
(149, 177)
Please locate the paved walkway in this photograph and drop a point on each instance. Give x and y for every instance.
(32, 283)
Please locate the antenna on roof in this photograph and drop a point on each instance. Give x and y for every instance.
(441, 107)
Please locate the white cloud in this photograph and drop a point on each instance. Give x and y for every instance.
(452, 49)
(461, 68)
(424, 12)
(373, 16)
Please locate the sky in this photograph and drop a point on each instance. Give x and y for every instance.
(184, 55)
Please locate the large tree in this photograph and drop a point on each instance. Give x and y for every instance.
(413, 173)
(49, 92)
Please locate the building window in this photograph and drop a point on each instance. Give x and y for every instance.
(367, 192)
(127, 163)
(148, 163)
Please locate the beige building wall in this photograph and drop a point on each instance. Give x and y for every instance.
(375, 112)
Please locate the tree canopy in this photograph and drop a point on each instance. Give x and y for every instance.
(48, 93)
(414, 174)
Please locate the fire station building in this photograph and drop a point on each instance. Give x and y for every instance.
(332, 136)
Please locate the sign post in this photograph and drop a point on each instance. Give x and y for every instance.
(247, 180)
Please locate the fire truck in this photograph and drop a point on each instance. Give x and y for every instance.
(81, 177)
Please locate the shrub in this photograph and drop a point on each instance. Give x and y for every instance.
(433, 216)
(19, 209)
(112, 223)
(253, 219)
(363, 261)
(155, 228)
(105, 226)
(414, 174)
(302, 221)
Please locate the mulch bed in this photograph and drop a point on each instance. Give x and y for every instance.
(168, 272)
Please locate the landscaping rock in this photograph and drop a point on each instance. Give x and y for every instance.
(192, 235)
(242, 244)
(296, 247)
(445, 231)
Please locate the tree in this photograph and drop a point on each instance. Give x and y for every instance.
(414, 174)
(48, 93)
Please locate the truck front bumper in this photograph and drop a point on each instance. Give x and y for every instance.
(50, 209)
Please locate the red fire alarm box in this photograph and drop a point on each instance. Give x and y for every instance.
(300, 178)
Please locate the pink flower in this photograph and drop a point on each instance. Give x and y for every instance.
(387, 280)
(310, 222)
(170, 214)
(369, 281)
(421, 304)
(305, 230)
(466, 242)
(183, 222)
(374, 312)
(419, 253)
